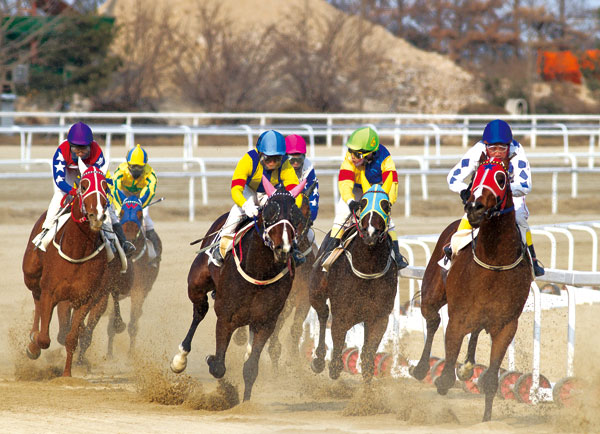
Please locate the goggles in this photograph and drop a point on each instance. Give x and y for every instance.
(78, 149)
(497, 147)
(296, 158)
(359, 154)
(270, 159)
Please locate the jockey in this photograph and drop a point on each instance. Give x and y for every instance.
(366, 163)
(497, 141)
(135, 177)
(80, 143)
(295, 148)
(247, 191)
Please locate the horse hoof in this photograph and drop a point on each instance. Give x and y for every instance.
(33, 351)
(215, 368)
(443, 386)
(334, 374)
(417, 373)
(465, 372)
(317, 365)
(179, 363)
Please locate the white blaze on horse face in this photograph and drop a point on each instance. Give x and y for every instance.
(286, 241)
(370, 229)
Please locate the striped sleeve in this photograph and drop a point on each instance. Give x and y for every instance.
(313, 200)
(346, 178)
(240, 175)
(149, 190)
(388, 168)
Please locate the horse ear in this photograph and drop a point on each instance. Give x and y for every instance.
(82, 166)
(298, 189)
(482, 158)
(269, 189)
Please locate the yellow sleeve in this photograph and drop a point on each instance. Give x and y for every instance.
(388, 168)
(240, 175)
(148, 192)
(347, 178)
(290, 180)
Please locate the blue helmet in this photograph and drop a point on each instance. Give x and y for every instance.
(497, 131)
(80, 134)
(271, 143)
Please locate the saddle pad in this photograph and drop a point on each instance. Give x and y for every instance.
(459, 241)
(47, 239)
(335, 253)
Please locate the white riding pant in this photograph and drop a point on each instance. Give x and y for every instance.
(54, 207)
(235, 216)
(148, 223)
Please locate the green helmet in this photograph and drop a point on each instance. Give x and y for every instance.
(364, 139)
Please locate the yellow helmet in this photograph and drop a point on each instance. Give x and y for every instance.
(137, 156)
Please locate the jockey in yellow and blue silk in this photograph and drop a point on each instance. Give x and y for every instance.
(366, 163)
(135, 177)
(496, 142)
(80, 144)
(268, 159)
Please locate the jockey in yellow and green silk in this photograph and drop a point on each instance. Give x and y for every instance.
(135, 177)
(366, 163)
(268, 159)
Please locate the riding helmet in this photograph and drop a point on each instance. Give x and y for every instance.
(497, 131)
(137, 156)
(271, 143)
(295, 144)
(364, 139)
(80, 134)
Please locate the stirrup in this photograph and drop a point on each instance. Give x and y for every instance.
(128, 248)
(401, 262)
(538, 269)
(448, 251)
(215, 256)
(299, 258)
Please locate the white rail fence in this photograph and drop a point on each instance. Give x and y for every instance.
(574, 292)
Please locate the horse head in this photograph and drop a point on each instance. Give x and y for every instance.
(131, 217)
(374, 215)
(490, 192)
(92, 198)
(280, 219)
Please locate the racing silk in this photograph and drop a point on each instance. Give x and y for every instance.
(308, 172)
(64, 161)
(364, 177)
(249, 172)
(143, 187)
(519, 171)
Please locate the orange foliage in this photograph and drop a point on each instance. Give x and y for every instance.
(590, 60)
(559, 65)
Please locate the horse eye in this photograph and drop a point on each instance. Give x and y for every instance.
(363, 203)
(385, 206)
(85, 184)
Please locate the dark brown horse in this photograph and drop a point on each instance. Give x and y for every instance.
(74, 268)
(486, 286)
(251, 286)
(361, 286)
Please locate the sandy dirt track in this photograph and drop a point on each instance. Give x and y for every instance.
(123, 395)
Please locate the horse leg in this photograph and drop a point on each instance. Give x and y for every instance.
(79, 315)
(454, 338)
(63, 311)
(302, 308)
(46, 303)
(251, 365)
(465, 372)
(138, 295)
(320, 306)
(96, 311)
(33, 350)
(338, 335)
(179, 361)
(118, 323)
(422, 367)
(488, 382)
(274, 343)
(374, 331)
(216, 362)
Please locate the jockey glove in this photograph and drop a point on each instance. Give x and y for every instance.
(465, 195)
(354, 206)
(250, 209)
(73, 192)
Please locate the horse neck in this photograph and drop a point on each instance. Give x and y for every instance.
(499, 235)
(77, 238)
(369, 259)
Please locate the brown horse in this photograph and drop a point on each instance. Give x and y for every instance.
(486, 286)
(74, 268)
(251, 286)
(360, 286)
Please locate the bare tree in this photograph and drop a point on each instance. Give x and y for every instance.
(147, 54)
(330, 63)
(224, 68)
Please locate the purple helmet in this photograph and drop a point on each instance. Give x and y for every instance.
(80, 134)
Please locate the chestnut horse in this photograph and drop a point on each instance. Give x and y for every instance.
(360, 286)
(73, 269)
(486, 287)
(251, 286)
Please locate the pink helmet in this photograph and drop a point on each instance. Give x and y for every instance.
(295, 144)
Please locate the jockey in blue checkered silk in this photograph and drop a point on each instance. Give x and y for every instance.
(497, 141)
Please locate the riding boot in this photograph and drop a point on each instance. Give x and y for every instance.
(153, 237)
(448, 251)
(128, 247)
(299, 258)
(401, 261)
(217, 259)
(538, 270)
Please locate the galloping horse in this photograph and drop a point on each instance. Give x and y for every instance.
(486, 286)
(298, 300)
(74, 267)
(361, 288)
(252, 284)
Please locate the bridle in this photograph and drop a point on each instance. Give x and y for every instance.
(372, 207)
(501, 193)
(93, 177)
(129, 205)
(268, 226)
